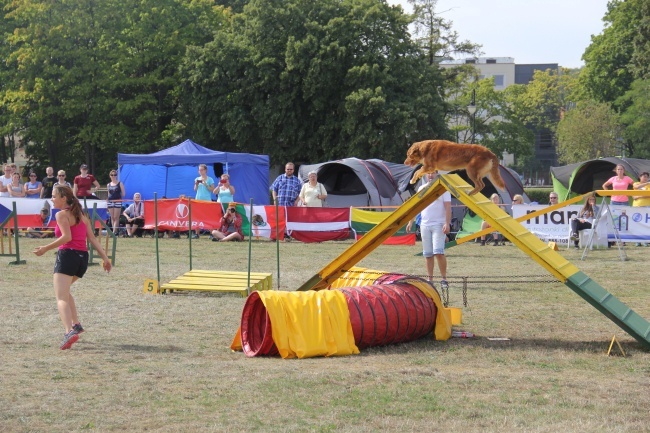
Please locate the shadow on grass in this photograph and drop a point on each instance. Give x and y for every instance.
(150, 349)
(518, 344)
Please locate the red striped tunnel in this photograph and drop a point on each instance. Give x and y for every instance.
(390, 311)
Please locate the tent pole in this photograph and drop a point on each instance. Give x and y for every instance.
(155, 218)
(189, 232)
(250, 245)
(277, 239)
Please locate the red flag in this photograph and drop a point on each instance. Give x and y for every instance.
(318, 224)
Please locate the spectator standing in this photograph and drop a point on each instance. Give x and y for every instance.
(116, 194)
(435, 224)
(552, 198)
(225, 192)
(203, 185)
(584, 220)
(619, 182)
(5, 180)
(642, 185)
(61, 179)
(48, 183)
(33, 187)
(313, 193)
(84, 184)
(16, 189)
(72, 229)
(230, 229)
(286, 187)
(135, 217)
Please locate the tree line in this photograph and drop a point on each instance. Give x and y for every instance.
(298, 80)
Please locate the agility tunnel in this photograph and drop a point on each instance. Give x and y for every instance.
(362, 308)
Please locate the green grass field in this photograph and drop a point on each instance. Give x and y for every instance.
(163, 363)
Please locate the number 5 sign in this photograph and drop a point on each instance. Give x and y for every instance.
(151, 287)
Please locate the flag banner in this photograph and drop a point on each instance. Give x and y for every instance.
(173, 214)
(318, 224)
(29, 210)
(364, 220)
(264, 222)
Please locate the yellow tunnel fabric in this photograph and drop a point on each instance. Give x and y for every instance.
(308, 324)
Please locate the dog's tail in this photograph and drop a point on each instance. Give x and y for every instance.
(495, 176)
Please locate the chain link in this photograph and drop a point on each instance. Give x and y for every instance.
(465, 281)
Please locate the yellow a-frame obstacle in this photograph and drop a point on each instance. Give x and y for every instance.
(562, 269)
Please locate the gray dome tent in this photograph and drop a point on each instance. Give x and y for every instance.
(358, 182)
(583, 177)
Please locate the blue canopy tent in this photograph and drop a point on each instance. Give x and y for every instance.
(171, 172)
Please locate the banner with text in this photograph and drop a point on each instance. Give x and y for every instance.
(632, 223)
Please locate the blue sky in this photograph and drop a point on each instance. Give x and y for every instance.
(531, 31)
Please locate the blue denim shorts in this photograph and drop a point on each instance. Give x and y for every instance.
(433, 240)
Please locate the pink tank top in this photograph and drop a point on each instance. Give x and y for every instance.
(78, 241)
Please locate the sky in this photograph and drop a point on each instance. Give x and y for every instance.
(530, 31)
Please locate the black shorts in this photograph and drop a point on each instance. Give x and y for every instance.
(71, 262)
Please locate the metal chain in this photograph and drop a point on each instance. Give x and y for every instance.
(467, 280)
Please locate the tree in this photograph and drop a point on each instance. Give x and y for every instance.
(607, 74)
(307, 81)
(496, 124)
(641, 43)
(435, 36)
(636, 120)
(591, 130)
(89, 78)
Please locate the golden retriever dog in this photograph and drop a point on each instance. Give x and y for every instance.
(445, 155)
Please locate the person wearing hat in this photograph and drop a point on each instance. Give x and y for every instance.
(230, 229)
(84, 184)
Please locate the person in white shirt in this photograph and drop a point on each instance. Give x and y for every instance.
(435, 224)
(5, 180)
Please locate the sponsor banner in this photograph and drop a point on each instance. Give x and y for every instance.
(363, 221)
(552, 226)
(632, 223)
(29, 209)
(174, 214)
(317, 224)
(264, 223)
